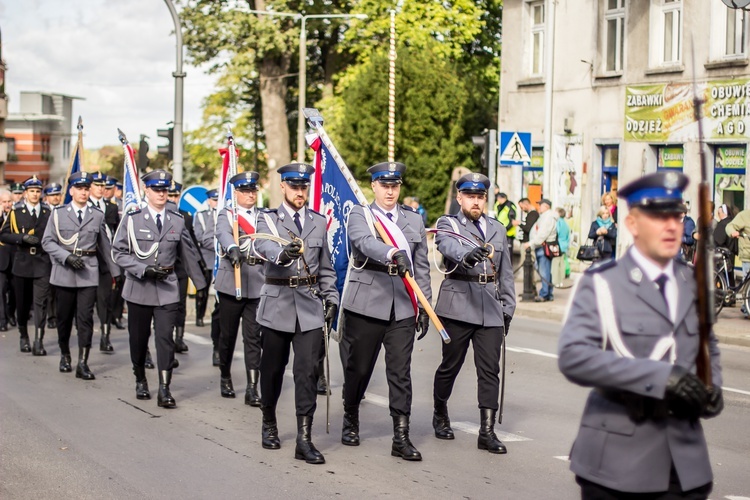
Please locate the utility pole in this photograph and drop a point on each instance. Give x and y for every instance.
(179, 82)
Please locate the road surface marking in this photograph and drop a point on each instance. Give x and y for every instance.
(197, 339)
(532, 351)
(739, 391)
(564, 458)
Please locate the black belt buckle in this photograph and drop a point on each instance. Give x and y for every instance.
(251, 261)
(32, 250)
(392, 269)
(294, 282)
(78, 252)
(483, 279)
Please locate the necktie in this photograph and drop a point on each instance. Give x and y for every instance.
(158, 222)
(33, 215)
(390, 216)
(297, 223)
(80, 217)
(661, 282)
(479, 228)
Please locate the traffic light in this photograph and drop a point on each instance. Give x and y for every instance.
(143, 152)
(168, 150)
(488, 142)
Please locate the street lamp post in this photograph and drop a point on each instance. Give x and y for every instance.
(303, 65)
(179, 81)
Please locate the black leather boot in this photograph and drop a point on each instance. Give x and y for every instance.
(441, 422)
(65, 366)
(179, 344)
(402, 446)
(305, 449)
(487, 438)
(227, 389)
(199, 322)
(24, 344)
(350, 428)
(164, 397)
(215, 360)
(252, 398)
(12, 320)
(149, 363)
(38, 348)
(322, 385)
(105, 345)
(82, 370)
(118, 324)
(141, 384)
(270, 432)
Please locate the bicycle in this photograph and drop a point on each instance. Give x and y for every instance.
(724, 293)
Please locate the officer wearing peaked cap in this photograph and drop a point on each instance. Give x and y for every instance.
(378, 310)
(146, 247)
(204, 227)
(476, 304)
(631, 334)
(53, 197)
(16, 191)
(298, 296)
(24, 228)
(232, 309)
(76, 240)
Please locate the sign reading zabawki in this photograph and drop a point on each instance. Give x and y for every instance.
(664, 112)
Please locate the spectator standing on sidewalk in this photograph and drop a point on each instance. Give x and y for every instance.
(740, 228)
(604, 233)
(528, 222)
(544, 231)
(559, 264)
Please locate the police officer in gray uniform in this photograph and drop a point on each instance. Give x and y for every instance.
(52, 197)
(632, 334)
(378, 310)
(76, 240)
(476, 303)
(146, 247)
(204, 226)
(299, 294)
(231, 309)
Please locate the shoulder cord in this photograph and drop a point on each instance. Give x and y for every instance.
(611, 334)
(133, 244)
(435, 250)
(371, 226)
(72, 241)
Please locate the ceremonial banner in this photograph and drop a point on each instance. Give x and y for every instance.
(131, 187)
(76, 163)
(225, 197)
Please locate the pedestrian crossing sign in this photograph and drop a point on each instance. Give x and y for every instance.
(515, 149)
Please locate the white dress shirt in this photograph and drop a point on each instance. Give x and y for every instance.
(652, 271)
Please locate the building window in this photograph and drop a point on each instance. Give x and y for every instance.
(666, 32)
(670, 158)
(536, 42)
(728, 33)
(614, 35)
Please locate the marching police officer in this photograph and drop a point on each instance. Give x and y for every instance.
(630, 334)
(378, 308)
(7, 298)
(76, 240)
(24, 228)
(231, 308)
(16, 191)
(204, 228)
(476, 303)
(146, 247)
(53, 197)
(117, 301)
(299, 294)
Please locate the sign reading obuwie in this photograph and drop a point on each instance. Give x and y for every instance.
(664, 112)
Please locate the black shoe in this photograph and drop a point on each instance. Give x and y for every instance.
(52, 323)
(322, 387)
(252, 398)
(3, 327)
(141, 384)
(305, 449)
(199, 322)
(65, 366)
(82, 369)
(175, 363)
(227, 389)
(350, 428)
(441, 422)
(164, 398)
(24, 344)
(487, 439)
(105, 345)
(179, 344)
(216, 361)
(269, 430)
(38, 347)
(402, 446)
(12, 321)
(118, 324)
(538, 299)
(149, 363)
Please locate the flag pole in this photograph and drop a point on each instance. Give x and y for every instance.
(235, 222)
(315, 120)
(76, 151)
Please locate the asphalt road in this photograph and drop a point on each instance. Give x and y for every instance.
(63, 437)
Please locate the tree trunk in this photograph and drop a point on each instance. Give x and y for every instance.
(273, 92)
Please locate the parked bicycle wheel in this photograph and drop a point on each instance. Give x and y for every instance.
(721, 291)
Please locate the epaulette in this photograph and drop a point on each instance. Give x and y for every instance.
(175, 212)
(601, 265)
(455, 216)
(316, 213)
(58, 207)
(18, 204)
(132, 210)
(411, 209)
(269, 210)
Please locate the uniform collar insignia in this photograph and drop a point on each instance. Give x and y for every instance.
(145, 216)
(281, 215)
(636, 275)
(463, 220)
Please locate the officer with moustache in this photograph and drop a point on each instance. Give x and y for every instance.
(146, 247)
(52, 197)
(24, 228)
(76, 240)
(632, 335)
(378, 309)
(299, 294)
(204, 228)
(476, 303)
(232, 309)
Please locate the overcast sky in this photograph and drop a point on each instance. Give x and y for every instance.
(118, 55)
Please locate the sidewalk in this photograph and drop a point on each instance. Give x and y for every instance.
(731, 327)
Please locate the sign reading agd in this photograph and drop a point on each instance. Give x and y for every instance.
(664, 112)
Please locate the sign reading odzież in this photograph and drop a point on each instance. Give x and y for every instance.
(664, 112)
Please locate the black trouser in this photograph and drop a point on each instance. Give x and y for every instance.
(215, 326)
(365, 337)
(75, 303)
(139, 329)
(119, 302)
(231, 311)
(273, 363)
(5, 287)
(10, 311)
(593, 491)
(104, 301)
(30, 290)
(487, 343)
(52, 303)
(201, 304)
(182, 284)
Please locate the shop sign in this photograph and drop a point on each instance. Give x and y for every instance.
(671, 157)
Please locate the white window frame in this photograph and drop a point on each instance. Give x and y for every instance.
(535, 31)
(619, 15)
(719, 29)
(660, 11)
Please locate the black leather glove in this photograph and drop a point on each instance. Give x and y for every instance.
(475, 256)
(423, 323)
(235, 256)
(715, 403)
(290, 252)
(507, 319)
(686, 396)
(208, 275)
(402, 262)
(119, 281)
(155, 273)
(331, 311)
(75, 262)
(30, 239)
